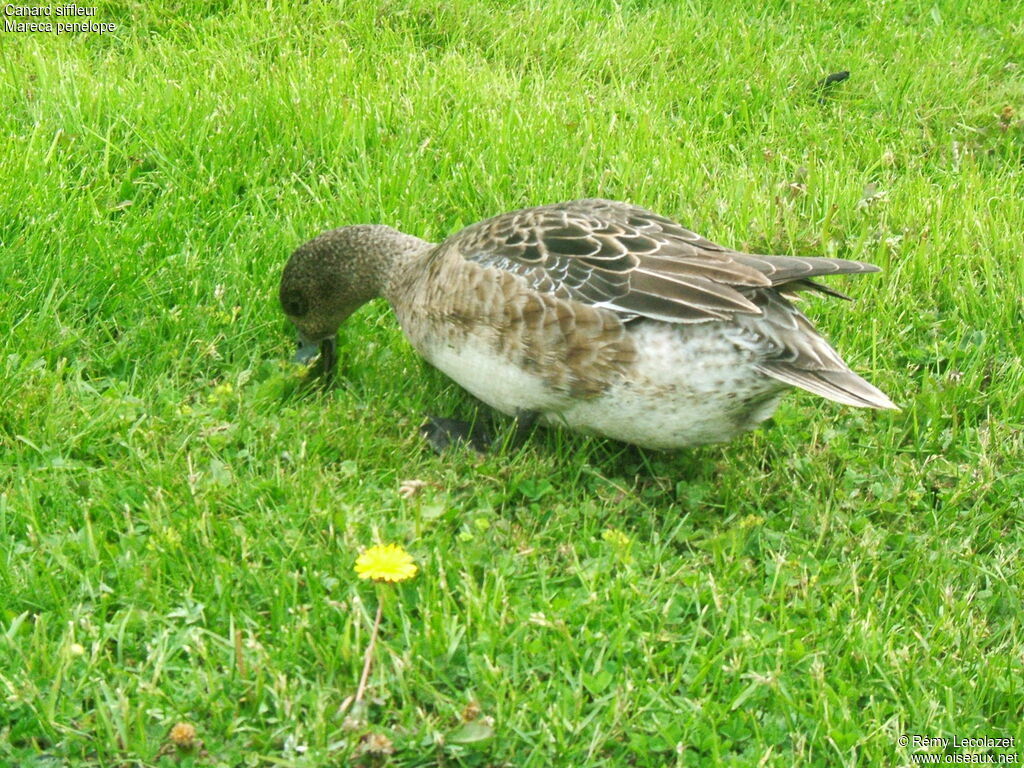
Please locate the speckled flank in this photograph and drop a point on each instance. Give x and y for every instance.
(665, 386)
(689, 386)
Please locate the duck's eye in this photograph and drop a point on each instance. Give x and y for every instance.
(294, 304)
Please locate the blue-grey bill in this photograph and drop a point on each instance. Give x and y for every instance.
(306, 352)
(326, 349)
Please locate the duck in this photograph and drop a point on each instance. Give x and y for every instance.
(592, 315)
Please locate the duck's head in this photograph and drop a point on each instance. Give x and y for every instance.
(330, 277)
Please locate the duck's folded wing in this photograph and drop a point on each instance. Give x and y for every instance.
(635, 262)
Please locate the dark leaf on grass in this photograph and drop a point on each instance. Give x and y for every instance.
(826, 84)
(835, 77)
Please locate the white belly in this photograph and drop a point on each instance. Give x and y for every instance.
(496, 381)
(688, 386)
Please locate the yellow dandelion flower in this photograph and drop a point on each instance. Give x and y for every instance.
(615, 537)
(386, 562)
(221, 393)
(619, 543)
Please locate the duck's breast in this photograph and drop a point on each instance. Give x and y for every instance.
(513, 347)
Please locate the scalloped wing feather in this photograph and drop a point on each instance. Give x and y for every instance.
(630, 260)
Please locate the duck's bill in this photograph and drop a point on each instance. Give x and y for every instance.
(325, 348)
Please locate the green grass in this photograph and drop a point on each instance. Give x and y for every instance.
(179, 516)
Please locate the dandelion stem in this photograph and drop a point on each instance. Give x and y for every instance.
(368, 658)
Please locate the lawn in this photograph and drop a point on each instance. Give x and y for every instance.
(181, 510)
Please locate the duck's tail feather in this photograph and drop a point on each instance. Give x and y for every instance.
(842, 386)
(785, 269)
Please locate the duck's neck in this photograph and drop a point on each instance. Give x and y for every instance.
(400, 254)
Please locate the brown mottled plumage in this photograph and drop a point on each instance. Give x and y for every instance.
(598, 315)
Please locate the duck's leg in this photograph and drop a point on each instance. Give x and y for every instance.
(329, 359)
(525, 422)
(442, 433)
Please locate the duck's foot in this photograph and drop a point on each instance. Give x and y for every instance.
(442, 433)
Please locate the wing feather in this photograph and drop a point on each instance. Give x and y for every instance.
(636, 262)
